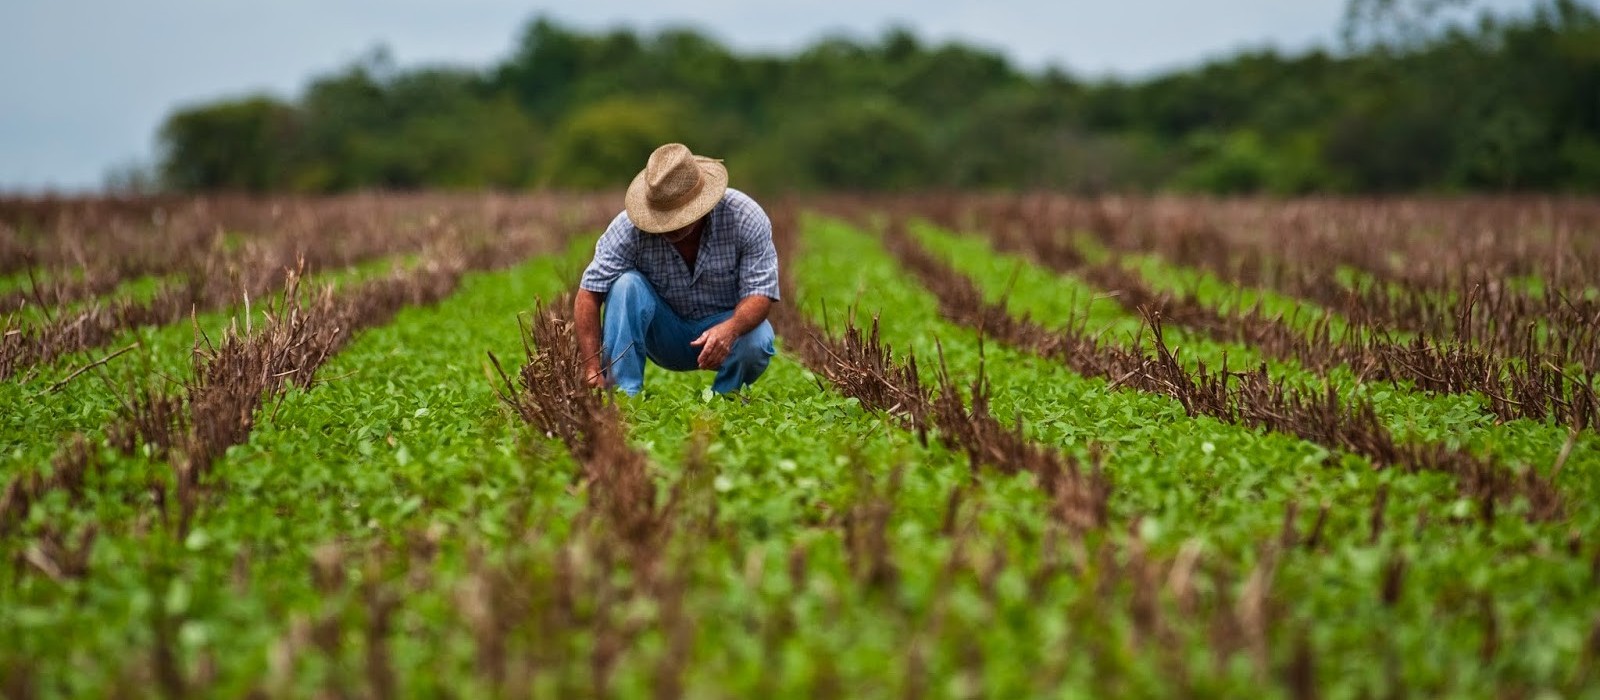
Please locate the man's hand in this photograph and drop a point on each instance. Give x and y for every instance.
(715, 344)
(594, 375)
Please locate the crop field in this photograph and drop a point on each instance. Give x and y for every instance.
(1011, 446)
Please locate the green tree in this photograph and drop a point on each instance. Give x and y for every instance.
(238, 144)
(1419, 100)
(866, 144)
(605, 144)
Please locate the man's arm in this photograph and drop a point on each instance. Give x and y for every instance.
(586, 319)
(613, 255)
(717, 341)
(758, 288)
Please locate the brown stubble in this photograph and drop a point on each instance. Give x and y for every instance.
(859, 365)
(626, 526)
(254, 363)
(188, 243)
(552, 396)
(1472, 331)
(1251, 398)
(1158, 592)
(235, 377)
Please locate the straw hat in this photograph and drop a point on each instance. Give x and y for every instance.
(675, 188)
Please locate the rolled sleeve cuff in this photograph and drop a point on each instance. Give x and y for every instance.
(768, 291)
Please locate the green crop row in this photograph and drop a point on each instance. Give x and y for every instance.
(1217, 293)
(21, 279)
(790, 459)
(1228, 488)
(400, 423)
(1459, 420)
(137, 289)
(404, 435)
(59, 407)
(844, 557)
(1210, 289)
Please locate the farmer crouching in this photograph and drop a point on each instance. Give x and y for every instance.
(687, 273)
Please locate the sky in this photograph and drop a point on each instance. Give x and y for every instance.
(85, 84)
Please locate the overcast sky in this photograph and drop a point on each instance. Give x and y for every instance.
(84, 84)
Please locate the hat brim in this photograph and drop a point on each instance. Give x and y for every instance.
(714, 184)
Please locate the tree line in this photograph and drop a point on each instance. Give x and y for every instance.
(1505, 103)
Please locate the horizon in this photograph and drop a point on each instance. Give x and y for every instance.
(89, 99)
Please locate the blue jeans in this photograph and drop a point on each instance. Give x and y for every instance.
(639, 325)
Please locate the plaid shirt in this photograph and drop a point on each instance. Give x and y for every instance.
(736, 260)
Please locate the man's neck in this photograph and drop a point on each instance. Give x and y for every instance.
(689, 247)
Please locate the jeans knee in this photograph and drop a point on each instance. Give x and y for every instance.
(629, 284)
(754, 347)
(630, 295)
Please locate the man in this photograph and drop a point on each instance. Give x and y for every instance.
(687, 274)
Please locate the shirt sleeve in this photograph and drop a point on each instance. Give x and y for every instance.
(758, 257)
(613, 255)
